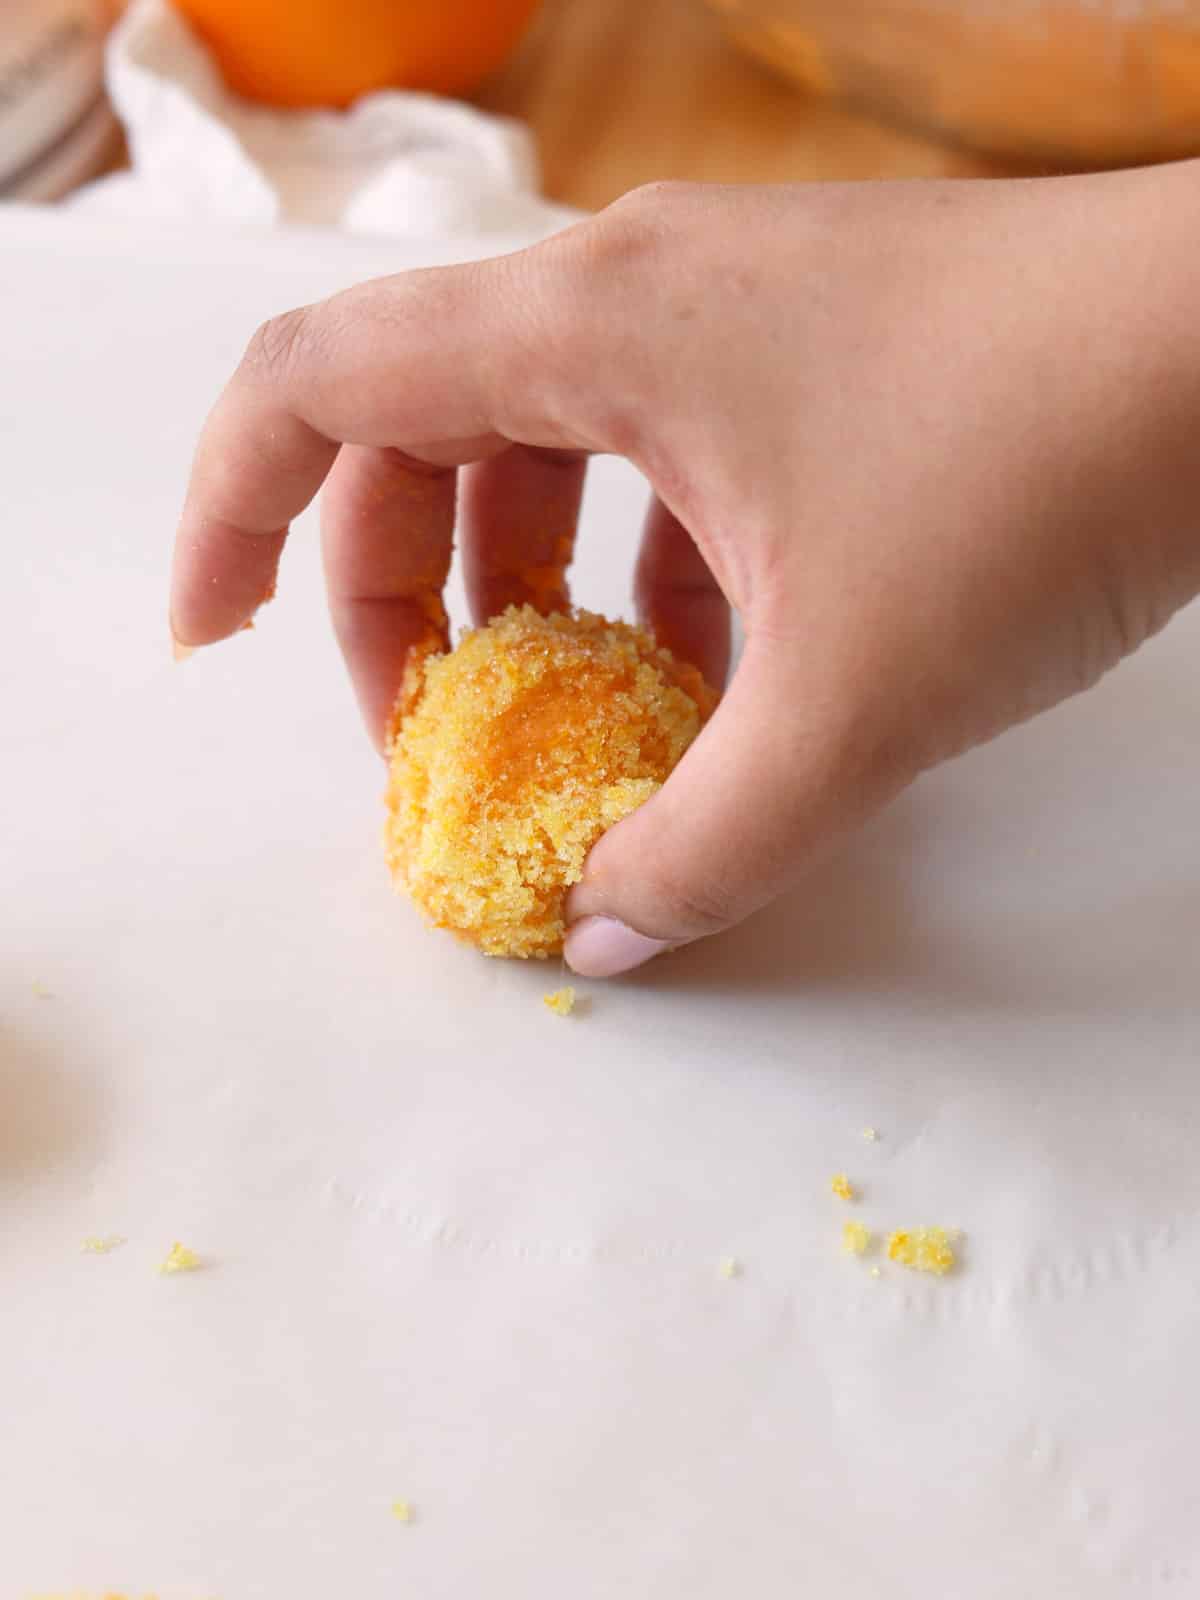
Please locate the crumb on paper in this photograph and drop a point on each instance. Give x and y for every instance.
(729, 1267)
(924, 1249)
(871, 1135)
(402, 1510)
(180, 1259)
(856, 1238)
(40, 990)
(560, 1001)
(877, 1272)
(102, 1244)
(842, 1187)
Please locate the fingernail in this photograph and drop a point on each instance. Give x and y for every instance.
(602, 947)
(179, 650)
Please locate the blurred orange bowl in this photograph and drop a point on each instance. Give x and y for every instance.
(329, 52)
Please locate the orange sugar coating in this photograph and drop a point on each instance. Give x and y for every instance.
(856, 1238)
(561, 1002)
(179, 1259)
(547, 585)
(924, 1249)
(514, 752)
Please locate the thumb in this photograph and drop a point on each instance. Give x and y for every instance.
(764, 787)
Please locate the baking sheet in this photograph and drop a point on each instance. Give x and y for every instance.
(460, 1252)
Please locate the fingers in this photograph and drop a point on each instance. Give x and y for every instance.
(432, 363)
(387, 524)
(767, 785)
(519, 514)
(678, 597)
(245, 489)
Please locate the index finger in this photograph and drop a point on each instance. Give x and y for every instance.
(432, 363)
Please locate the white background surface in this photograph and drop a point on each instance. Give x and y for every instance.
(462, 1252)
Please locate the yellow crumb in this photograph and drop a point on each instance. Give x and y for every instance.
(512, 754)
(729, 1267)
(856, 1238)
(923, 1249)
(180, 1259)
(561, 1002)
(877, 1272)
(870, 1135)
(41, 991)
(842, 1187)
(402, 1511)
(102, 1245)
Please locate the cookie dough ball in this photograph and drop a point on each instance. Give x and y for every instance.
(513, 753)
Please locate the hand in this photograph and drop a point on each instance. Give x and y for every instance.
(938, 443)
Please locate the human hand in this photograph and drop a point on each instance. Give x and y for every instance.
(937, 443)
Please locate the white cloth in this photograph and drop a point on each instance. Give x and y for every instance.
(395, 163)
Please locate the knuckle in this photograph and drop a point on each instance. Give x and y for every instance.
(662, 195)
(691, 907)
(275, 345)
(595, 294)
(563, 327)
(857, 755)
(630, 233)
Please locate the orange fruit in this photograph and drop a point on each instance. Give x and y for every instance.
(328, 52)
